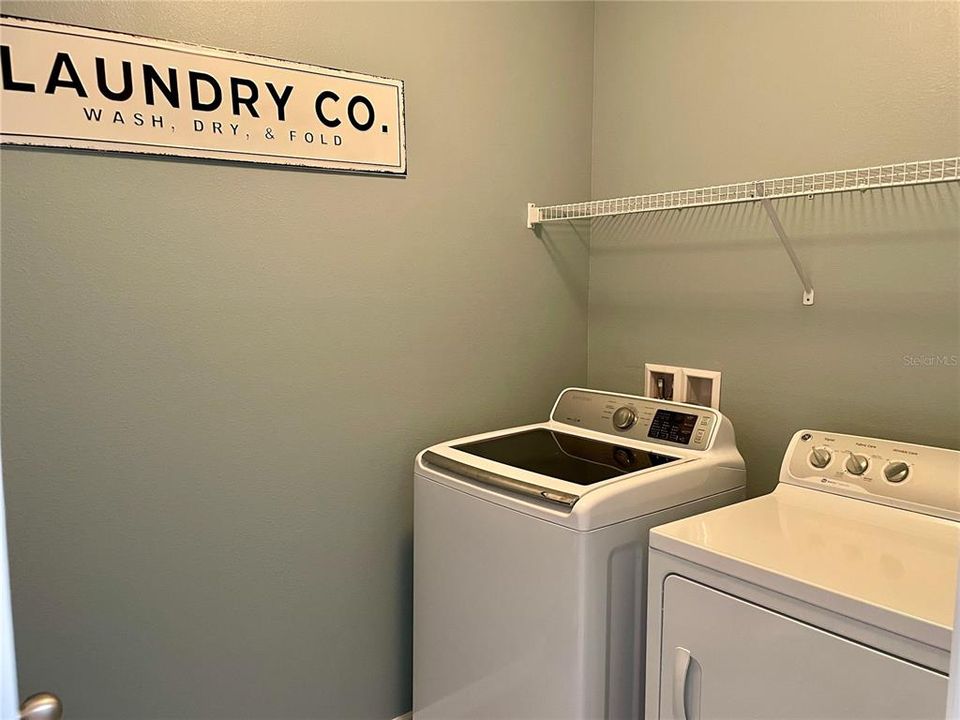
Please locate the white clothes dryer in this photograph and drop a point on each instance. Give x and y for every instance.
(832, 597)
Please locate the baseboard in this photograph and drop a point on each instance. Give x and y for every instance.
(405, 716)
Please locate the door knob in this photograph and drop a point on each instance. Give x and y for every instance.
(42, 706)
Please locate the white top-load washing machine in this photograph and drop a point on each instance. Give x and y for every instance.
(530, 554)
(832, 597)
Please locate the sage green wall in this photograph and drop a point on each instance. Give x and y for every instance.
(693, 94)
(216, 376)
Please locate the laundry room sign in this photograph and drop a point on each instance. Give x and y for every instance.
(75, 87)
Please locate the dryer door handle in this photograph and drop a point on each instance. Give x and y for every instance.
(681, 671)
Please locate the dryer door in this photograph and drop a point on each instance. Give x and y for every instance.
(723, 657)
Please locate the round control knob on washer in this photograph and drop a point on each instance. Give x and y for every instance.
(896, 472)
(857, 464)
(624, 418)
(820, 457)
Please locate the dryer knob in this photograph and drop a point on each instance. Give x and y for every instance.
(857, 464)
(624, 418)
(896, 472)
(820, 457)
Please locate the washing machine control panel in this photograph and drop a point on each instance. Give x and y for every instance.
(914, 477)
(659, 421)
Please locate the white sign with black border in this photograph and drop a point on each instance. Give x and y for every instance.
(75, 87)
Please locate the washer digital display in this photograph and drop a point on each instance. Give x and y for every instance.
(672, 426)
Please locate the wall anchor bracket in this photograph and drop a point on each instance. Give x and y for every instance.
(787, 245)
(533, 216)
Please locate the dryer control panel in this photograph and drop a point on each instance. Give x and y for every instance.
(913, 477)
(638, 418)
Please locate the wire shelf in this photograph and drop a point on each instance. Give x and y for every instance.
(920, 172)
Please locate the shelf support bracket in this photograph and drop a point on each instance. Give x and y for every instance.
(787, 245)
(533, 215)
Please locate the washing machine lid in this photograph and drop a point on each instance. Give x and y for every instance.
(543, 464)
(572, 458)
(640, 479)
(887, 567)
(600, 459)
